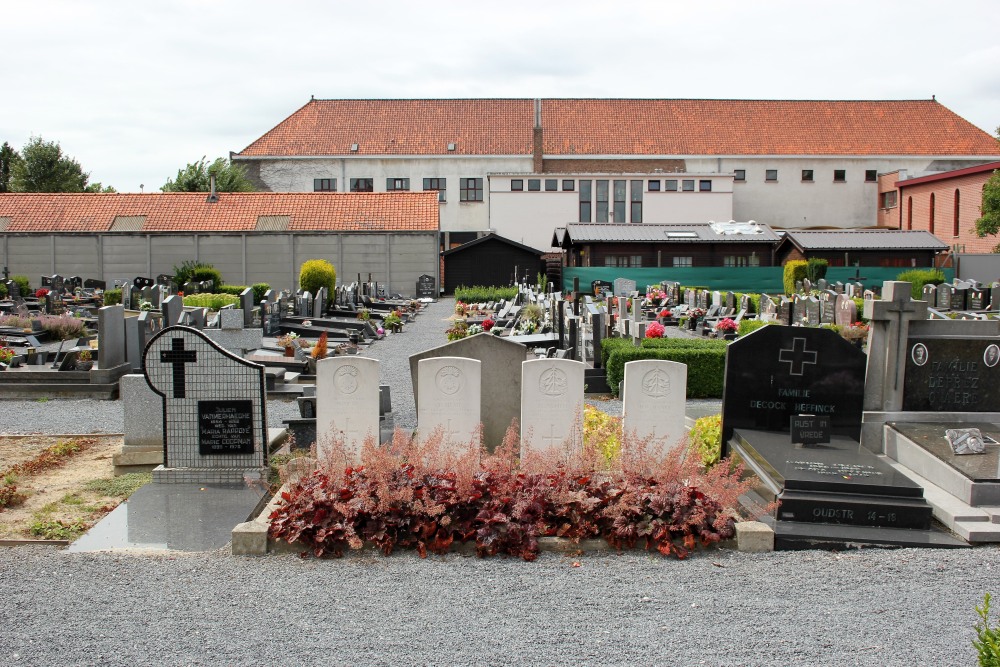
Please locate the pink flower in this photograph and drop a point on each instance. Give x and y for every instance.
(655, 330)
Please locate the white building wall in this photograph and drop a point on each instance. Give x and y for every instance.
(286, 175)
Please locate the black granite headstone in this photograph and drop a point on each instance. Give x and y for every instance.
(958, 300)
(979, 299)
(780, 371)
(943, 301)
(952, 375)
(425, 287)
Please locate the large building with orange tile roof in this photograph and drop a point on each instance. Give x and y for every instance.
(522, 167)
(251, 237)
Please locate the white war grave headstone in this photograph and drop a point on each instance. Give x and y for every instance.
(347, 405)
(551, 404)
(653, 403)
(450, 395)
(214, 410)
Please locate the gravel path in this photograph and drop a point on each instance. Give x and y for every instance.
(902, 607)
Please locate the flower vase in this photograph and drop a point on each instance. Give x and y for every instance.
(289, 351)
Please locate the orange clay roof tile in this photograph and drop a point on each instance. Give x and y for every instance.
(624, 127)
(185, 212)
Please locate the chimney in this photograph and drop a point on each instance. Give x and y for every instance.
(536, 139)
(212, 196)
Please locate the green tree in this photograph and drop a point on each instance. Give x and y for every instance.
(229, 177)
(989, 224)
(42, 167)
(7, 157)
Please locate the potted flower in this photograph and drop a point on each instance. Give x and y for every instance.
(656, 296)
(655, 330)
(665, 315)
(393, 321)
(488, 324)
(856, 333)
(288, 341)
(364, 314)
(727, 327)
(6, 356)
(694, 315)
(84, 360)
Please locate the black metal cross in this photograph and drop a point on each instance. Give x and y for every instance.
(178, 356)
(797, 357)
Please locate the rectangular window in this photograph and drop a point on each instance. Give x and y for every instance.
(653, 186)
(681, 262)
(551, 184)
(889, 199)
(324, 185)
(619, 201)
(635, 213)
(362, 185)
(739, 174)
(470, 189)
(807, 175)
(636, 262)
(392, 184)
(871, 175)
(439, 184)
(734, 260)
(534, 185)
(670, 186)
(771, 175)
(687, 186)
(568, 185)
(839, 175)
(585, 196)
(704, 186)
(601, 215)
(517, 185)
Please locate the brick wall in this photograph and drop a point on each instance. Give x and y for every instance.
(970, 193)
(888, 217)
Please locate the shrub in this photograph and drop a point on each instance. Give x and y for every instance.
(706, 365)
(112, 297)
(602, 432)
(417, 494)
(482, 294)
(316, 273)
(816, 268)
(794, 271)
(211, 301)
(3, 290)
(234, 290)
(987, 641)
(859, 304)
(191, 271)
(920, 277)
(747, 326)
(258, 291)
(705, 439)
(63, 327)
(24, 283)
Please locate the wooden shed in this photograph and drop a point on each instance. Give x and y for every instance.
(490, 260)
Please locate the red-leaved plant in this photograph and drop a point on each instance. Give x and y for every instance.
(417, 493)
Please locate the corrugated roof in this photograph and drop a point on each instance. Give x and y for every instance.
(235, 211)
(673, 233)
(643, 127)
(866, 239)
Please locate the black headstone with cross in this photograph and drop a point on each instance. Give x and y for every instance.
(214, 408)
(780, 371)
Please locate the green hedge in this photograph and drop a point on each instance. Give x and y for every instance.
(794, 271)
(211, 301)
(920, 277)
(749, 326)
(706, 366)
(112, 297)
(481, 294)
(236, 290)
(25, 284)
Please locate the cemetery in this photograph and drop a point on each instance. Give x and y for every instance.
(848, 415)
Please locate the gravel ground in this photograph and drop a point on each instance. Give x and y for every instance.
(901, 607)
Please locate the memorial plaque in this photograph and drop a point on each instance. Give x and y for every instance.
(952, 375)
(601, 288)
(957, 301)
(778, 371)
(225, 427)
(810, 429)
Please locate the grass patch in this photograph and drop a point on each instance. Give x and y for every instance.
(119, 487)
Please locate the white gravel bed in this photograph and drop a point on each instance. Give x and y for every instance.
(879, 607)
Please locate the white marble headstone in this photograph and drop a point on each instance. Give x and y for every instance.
(551, 404)
(654, 399)
(450, 393)
(347, 400)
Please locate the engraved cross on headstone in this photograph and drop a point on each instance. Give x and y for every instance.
(178, 356)
(451, 434)
(797, 356)
(551, 440)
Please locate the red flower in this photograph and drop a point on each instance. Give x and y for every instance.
(488, 324)
(655, 330)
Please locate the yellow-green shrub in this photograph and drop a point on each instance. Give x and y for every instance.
(316, 273)
(705, 439)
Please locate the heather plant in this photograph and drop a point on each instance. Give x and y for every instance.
(420, 493)
(63, 327)
(15, 321)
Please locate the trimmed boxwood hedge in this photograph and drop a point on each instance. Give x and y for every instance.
(705, 359)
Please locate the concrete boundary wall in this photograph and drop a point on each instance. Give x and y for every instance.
(396, 259)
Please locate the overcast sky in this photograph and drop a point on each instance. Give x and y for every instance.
(135, 91)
